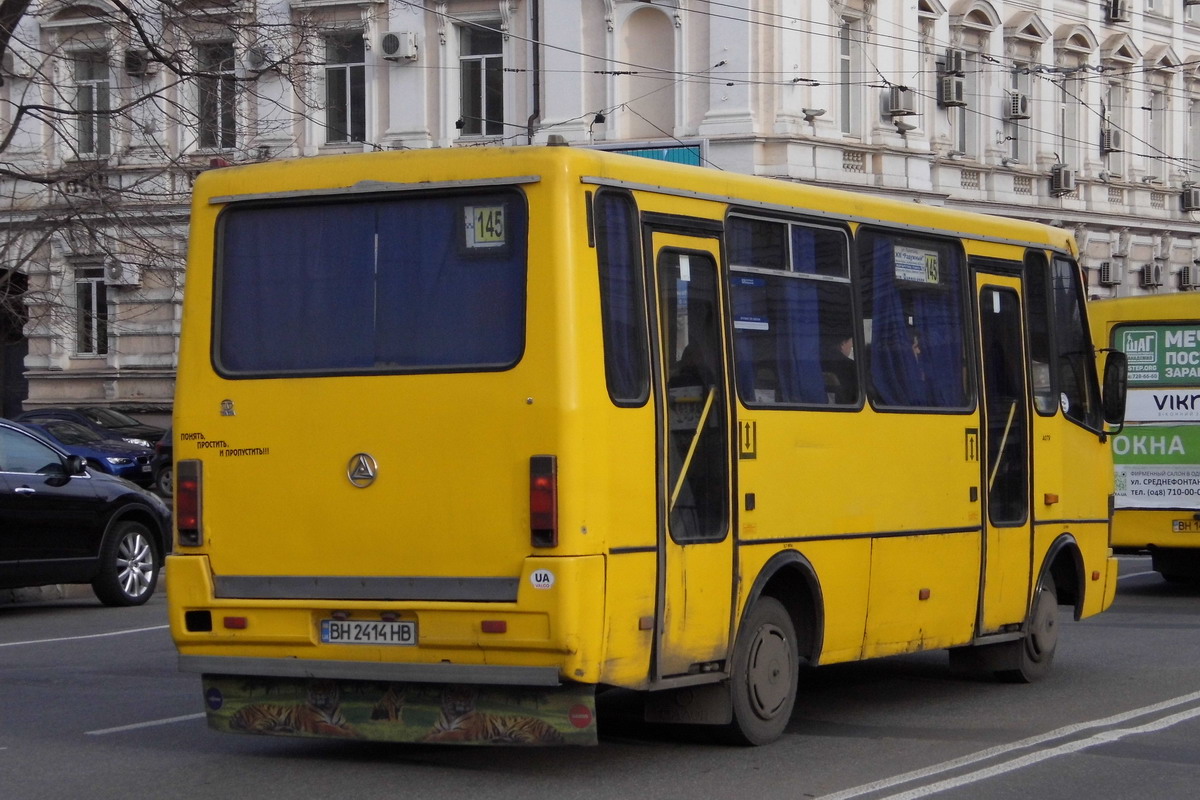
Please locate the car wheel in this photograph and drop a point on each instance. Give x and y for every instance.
(129, 565)
(163, 481)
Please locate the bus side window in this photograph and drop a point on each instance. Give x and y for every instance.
(791, 297)
(1077, 384)
(1037, 322)
(622, 310)
(913, 321)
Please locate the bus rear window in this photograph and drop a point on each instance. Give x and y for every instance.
(403, 284)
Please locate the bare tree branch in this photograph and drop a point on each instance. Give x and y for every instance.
(11, 12)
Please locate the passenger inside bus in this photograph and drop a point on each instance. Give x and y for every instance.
(841, 372)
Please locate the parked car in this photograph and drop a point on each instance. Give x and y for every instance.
(61, 522)
(163, 474)
(104, 421)
(132, 462)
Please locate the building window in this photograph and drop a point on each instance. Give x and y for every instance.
(1016, 131)
(91, 312)
(1070, 99)
(964, 119)
(1156, 125)
(94, 129)
(345, 88)
(850, 44)
(1115, 117)
(1193, 132)
(217, 103)
(481, 63)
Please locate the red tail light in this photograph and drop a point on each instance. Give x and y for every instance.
(543, 501)
(188, 510)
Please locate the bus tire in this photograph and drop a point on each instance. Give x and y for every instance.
(1035, 651)
(129, 565)
(764, 674)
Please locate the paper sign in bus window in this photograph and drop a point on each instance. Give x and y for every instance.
(484, 226)
(915, 264)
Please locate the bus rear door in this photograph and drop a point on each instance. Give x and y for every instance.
(695, 542)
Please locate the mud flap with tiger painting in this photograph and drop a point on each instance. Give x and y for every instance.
(401, 712)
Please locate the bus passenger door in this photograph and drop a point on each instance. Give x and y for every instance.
(695, 545)
(1004, 407)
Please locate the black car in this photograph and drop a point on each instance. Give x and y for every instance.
(161, 466)
(105, 421)
(63, 523)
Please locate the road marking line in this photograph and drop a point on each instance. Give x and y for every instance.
(1104, 737)
(88, 636)
(1000, 750)
(151, 724)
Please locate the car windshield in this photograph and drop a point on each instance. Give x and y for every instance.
(71, 433)
(109, 418)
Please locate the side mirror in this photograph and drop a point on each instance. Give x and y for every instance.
(1116, 381)
(76, 465)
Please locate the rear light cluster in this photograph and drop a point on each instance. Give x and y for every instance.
(543, 501)
(188, 507)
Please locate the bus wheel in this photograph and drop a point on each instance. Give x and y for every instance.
(129, 565)
(1041, 637)
(763, 682)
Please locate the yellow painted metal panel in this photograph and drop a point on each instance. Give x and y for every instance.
(559, 625)
(923, 593)
(629, 635)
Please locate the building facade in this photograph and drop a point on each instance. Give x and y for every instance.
(1081, 114)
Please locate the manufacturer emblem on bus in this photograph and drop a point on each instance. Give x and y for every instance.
(362, 470)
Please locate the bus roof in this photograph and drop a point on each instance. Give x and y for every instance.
(1173, 306)
(392, 169)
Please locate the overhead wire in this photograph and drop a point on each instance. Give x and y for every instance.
(872, 76)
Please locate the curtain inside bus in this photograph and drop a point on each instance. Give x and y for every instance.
(915, 322)
(783, 319)
(389, 284)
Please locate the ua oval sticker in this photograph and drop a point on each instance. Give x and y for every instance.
(542, 579)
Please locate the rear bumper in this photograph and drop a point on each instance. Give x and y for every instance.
(504, 631)
(372, 671)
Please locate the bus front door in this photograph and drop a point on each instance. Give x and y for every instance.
(1006, 448)
(695, 544)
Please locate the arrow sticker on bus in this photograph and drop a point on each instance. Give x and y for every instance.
(748, 439)
(972, 444)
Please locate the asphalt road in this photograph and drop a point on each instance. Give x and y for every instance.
(91, 706)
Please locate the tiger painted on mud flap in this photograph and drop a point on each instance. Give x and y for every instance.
(461, 722)
(321, 715)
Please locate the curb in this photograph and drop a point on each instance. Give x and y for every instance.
(35, 594)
